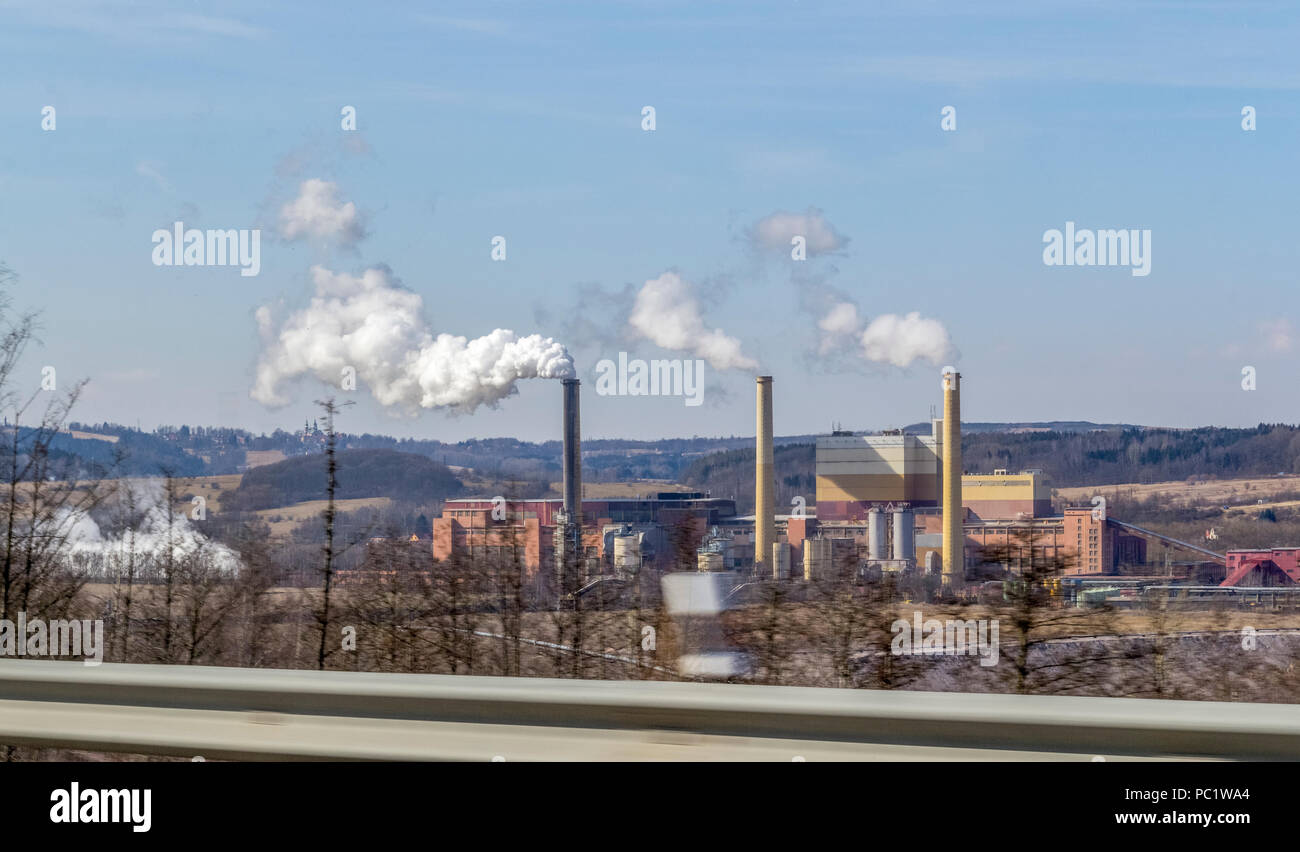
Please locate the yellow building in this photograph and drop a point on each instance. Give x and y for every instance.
(1007, 496)
(855, 472)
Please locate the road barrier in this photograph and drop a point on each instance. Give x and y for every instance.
(234, 713)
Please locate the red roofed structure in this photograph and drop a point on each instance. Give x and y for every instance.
(1279, 566)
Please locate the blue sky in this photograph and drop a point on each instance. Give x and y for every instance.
(524, 120)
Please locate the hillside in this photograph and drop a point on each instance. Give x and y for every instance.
(1070, 459)
(731, 474)
(1041, 426)
(1138, 455)
(402, 477)
(1074, 453)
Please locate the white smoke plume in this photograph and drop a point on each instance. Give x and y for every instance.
(902, 340)
(317, 213)
(143, 549)
(373, 325)
(668, 314)
(774, 232)
(889, 338)
(840, 321)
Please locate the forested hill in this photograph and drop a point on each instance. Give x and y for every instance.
(404, 477)
(1074, 453)
(1069, 458)
(1138, 455)
(731, 474)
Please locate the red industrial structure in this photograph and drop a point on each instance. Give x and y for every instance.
(1279, 566)
(524, 529)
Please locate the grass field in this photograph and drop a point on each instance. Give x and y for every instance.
(1243, 493)
(258, 458)
(211, 488)
(288, 517)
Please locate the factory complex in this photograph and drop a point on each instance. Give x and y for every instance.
(889, 502)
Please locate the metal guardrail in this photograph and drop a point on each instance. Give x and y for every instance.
(280, 714)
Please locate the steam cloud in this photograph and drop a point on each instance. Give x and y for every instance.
(110, 557)
(840, 322)
(372, 324)
(774, 232)
(668, 314)
(317, 213)
(889, 338)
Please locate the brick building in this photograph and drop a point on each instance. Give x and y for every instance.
(467, 528)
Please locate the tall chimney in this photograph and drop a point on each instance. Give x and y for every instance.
(764, 481)
(572, 453)
(954, 550)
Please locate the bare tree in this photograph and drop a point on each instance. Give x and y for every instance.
(880, 611)
(331, 408)
(838, 622)
(125, 565)
(1050, 651)
(43, 497)
(508, 585)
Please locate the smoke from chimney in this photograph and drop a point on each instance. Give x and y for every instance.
(886, 339)
(373, 326)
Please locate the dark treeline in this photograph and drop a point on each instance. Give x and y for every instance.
(1138, 455)
(207, 451)
(731, 474)
(1068, 458)
(402, 477)
(1071, 455)
(134, 453)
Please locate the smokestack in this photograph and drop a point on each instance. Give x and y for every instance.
(764, 481)
(572, 453)
(954, 551)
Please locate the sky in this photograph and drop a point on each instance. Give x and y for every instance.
(526, 120)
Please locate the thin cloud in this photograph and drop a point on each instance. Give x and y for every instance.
(318, 214)
(776, 232)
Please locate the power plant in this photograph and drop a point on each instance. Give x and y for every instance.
(894, 501)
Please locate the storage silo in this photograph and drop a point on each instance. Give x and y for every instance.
(780, 560)
(877, 534)
(904, 532)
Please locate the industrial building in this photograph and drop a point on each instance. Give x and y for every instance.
(1081, 542)
(888, 502)
(858, 472)
(1027, 494)
(1278, 566)
(868, 486)
(860, 477)
(528, 528)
